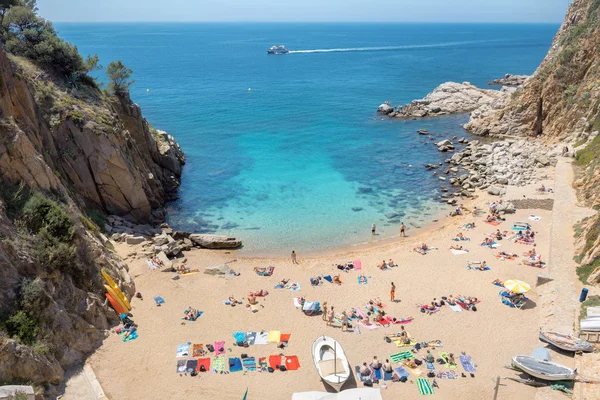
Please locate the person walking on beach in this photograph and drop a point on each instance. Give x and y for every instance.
(393, 293)
(294, 260)
(330, 317)
(402, 230)
(325, 311)
(344, 321)
(373, 229)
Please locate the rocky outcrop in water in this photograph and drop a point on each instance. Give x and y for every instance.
(509, 80)
(450, 98)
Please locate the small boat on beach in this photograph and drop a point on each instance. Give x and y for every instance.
(546, 370)
(331, 362)
(566, 342)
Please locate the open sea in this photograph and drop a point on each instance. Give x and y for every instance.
(286, 152)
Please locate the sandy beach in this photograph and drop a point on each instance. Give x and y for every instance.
(146, 367)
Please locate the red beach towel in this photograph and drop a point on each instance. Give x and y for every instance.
(275, 362)
(205, 362)
(292, 363)
(285, 337)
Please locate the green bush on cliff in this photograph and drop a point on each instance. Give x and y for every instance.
(40, 213)
(23, 325)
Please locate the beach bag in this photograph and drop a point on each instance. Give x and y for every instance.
(240, 343)
(418, 346)
(210, 347)
(431, 374)
(403, 379)
(270, 369)
(282, 368)
(194, 373)
(418, 362)
(244, 355)
(387, 339)
(474, 308)
(368, 383)
(202, 368)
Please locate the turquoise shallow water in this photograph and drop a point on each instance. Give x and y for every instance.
(302, 161)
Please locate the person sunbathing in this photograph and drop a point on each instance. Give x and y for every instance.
(337, 280)
(293, 286)
(541, 188)
(301, 300)
(190, 314)
(233, 301)
(362, 279)
(365, 370)
(391, 263)
(450, 359)
(421, 249)
(376, 302)
(490, 218)
(429, 357)
(283, 282)
(370, 307)
(451, 300)
(460, 248)
(252, 300)
(260, 270)
(537, 263)
(410, 363)
(383, 265)
(498, 282)
(487, 242)
(316, 281)
(482, 266)
(259, 293)
(387, 366)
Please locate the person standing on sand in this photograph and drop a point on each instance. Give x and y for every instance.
(373, 229)
(402, 230)
(344, 321)
(325, 311)
(330, 317)
(294, 260)
(393, 293)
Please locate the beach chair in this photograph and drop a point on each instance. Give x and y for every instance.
(311, 308)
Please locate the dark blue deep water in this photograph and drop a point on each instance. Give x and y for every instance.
(281, 165)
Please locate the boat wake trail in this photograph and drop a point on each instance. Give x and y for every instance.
(389, 48)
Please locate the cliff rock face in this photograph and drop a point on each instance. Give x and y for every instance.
(560, 103)
(83, 149)
(97, 147)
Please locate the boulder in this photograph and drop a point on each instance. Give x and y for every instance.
(161, 239)
(165, 260)
(444, 142)
(495, 191)
(385, 108)
(215, 241)
(131, 240)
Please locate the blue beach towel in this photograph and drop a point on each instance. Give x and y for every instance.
(402, 372)
(159, 300)
(235, 364)
(387, 376)
(328, 278)
(424, 386)
(466, 364)
(239, 336)
(377, 372)
(362, 283)
(430, 366)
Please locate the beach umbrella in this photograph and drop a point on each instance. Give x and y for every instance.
(517, 286)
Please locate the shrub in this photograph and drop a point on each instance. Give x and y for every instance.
(118, 75)
(53, 254)
(23, 325)
(33, 294)
(40, 213)
(97, 217)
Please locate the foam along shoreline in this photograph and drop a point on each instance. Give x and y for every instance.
(418, 279)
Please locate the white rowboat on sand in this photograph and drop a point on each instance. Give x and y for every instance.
(546, 370)
(566, 342)
(331, 362)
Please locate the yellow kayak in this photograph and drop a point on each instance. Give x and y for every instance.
(117, 290)
(114, 295)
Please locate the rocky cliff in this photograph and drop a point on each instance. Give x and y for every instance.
(560, 103)
(67, 153)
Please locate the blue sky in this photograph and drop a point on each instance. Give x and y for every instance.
(306, 10)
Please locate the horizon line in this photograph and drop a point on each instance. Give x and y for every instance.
(312, 22)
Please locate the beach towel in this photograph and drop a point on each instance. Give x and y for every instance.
(404, 355)
(425, 388)
(328, 278)
(364, 281)
(458, 252)
(262, 338)
(297, 302)
(357, 265)
(360, 376)
(249, 363)
(466, 363)
(191, 365)
(181, 366)
(219, 348)
(387, 376)
(239, 336)
(183, 350)
(262, 363)
(378, 373)
(151, 265)
(430, 365)
(455, 307)
(494, 223)
(235, 364)
(274, 337)
(370, 326)
(401, 321)
(250, 338)
(402, 372)
(275, 361)
(159, 300)
(534, 218)
(218, 363)
(292, 363)
(253, 308)
(400, 343)
(133, 336)
(447, 375)
(444, 356)
(296, 288)
(197, 350)
(285, 337)
(203, 362)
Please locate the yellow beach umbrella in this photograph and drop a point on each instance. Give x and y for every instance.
(517, 286)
